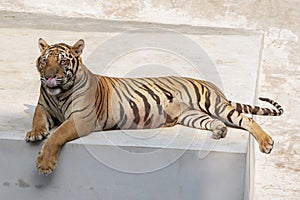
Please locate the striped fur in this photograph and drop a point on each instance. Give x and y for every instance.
(255, 110)
(83, 102)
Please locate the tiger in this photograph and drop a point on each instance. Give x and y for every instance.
(81, 102)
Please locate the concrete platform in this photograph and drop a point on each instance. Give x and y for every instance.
(173, 163)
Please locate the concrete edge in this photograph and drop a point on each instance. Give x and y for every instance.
(11, 19)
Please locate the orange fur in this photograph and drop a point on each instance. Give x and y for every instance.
(84, 102)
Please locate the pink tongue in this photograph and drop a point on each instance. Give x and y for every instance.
(51, 82)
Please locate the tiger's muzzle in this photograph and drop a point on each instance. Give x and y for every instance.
(51, 82)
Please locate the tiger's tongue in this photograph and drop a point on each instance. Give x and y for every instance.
(51, 82)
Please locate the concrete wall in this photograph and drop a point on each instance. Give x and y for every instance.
(82, 176)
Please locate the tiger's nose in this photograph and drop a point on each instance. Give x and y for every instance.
(49, 76)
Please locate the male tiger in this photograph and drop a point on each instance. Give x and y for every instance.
(84, 102)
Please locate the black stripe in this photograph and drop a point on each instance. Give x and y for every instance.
(118, 93)
(106, 118)
(203, 120)
(167, 93)
(155, 97)
(223, 108)
(161, 125)
(267, 111)
(82, 82)
(229, 115)
(82, 93)
(74, 97)
(41, 104)
(123, 122)
(196, 119)
(202, 89)
(47, 99)
(126, 85)
(205, 125)
(65, 97)
(255, 110)
(238, 108)
(73, 62)
(115, 127)
(218, 105)
(249, 109)
(69, 103)
(148, 123)
(76, 66)
(160, 80)
(147, 106)
(245, 109)
(58, 47)
(92, 110)
(196, 90)
(121, 117)
(180, 93)
(214, 88)
(49, 123)
(184, 118)
(189, 121)
(207, 101)
(263, 111)
(240, 122)
(98, 99)
(135, 110)
(76, 111)
(186, 91)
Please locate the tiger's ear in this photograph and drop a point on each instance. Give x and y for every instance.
(78, 47)
(42, 44)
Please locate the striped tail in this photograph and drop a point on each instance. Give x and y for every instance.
(256, 110)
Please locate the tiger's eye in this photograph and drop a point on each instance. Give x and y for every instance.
(63, 62)
(44, 60)
(62, 56)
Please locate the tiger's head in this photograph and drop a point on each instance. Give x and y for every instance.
(58, 65)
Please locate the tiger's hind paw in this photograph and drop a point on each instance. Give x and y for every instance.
(219, 130)
(266, 145)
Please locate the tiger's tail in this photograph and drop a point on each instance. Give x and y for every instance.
(256, 110)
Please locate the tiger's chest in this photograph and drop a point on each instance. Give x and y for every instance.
(59, 108)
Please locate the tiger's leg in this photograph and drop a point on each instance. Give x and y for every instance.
(47, 159)
(198, 119)
(41, 124)
(239, 119)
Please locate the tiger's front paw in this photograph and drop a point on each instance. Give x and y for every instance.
(46, 163)
(266, 144)
(36, 135)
